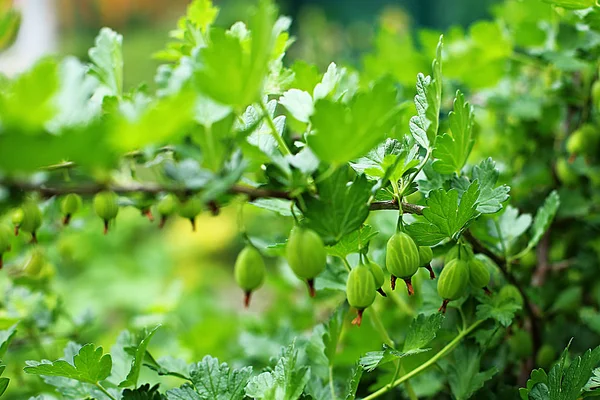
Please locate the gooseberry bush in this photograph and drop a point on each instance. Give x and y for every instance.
(439, 205)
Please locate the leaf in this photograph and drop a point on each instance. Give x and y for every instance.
(107, 60)
(3, 385)
(572, 4)
(490, 197)
(354, 381)
(423, 329)
(333, 278)
(452, 150)
(144, 392)
(299, 103)
(343, 132)
(424, 125)
(537, 385)
(285, 382)
(6, 336)
(463, 371)
(228, 57)
(509, 227)
(543, 218)
(202, 13)
(26, 103)
(374, 359)
(390, 160)
(353, 242)
(185, 392)
(168, 366)
(323, 344)
(567, 383)
(446, 216)
(280, 206)
(138, 358)
(501, 309)
(89, 366)
(216, 381)
(340, 209)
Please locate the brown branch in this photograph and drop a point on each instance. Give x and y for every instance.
(252, 192)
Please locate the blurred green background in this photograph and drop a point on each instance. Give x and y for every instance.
(326, 30)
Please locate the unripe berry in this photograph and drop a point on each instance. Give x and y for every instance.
(521, 344)
(453, 281)
(17, 218)
(511, 292)
(32, 219)
(189, 209)
(377, 272)
(546, 355)
(565, 173)
(69, 205)
(306, 255)
(5, 241)
(106, 205)
(249, 271)
(464, 251)
(425, 257)
(479, 274)
(402, 259)
(360, 290)
(34, 264)
(167, 207)
(576, 143)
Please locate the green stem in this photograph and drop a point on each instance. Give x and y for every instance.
(380, 327)
(346, 264)
(280, 142)
(101, 388)
(331, 385)
(447, 349)
(419, 169)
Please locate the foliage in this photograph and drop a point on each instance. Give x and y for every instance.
(473, 157)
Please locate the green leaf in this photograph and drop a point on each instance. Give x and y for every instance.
(333, 278)
(202, 13)
(463, 371)
(446, 216)
(423, 329)
(323, 343)
(390, 160)
(543, 218)
(280, 206)
(107, 60)
(537, 386)
(3, 385)
(340, 209)
(509, 227)
(568, 383)
(229, 58)
(374, 359)
(26, 104)
(342, 132)
(428, 100)
(217, 381)
(490, 197)
(89, 366)
(572, 4)
(185, 392)
(299, 104)
(452, 150)
(138, 358)
(144, 392)
(354, 381)
(285, 382)
(6, 336)
(501, 309)
(353, 242)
